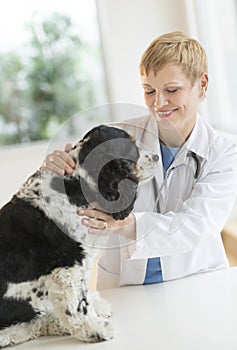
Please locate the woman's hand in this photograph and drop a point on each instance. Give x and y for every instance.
(97, 221)
(100, 223)
(59, 162)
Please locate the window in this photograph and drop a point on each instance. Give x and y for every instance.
(214, 23)
(51, 66)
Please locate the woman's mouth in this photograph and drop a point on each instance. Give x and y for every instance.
(165, 113)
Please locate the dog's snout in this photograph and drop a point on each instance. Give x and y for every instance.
(155, 157)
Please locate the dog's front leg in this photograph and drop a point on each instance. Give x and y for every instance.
(63, 295)
(94, 310)
(74, 307)
(96, 325)
(102, 307)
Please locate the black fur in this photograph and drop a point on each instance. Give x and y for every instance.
(108, 168)
(32, 245)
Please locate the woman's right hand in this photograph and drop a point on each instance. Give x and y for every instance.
(59, 162)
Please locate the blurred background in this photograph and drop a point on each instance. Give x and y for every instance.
(63, 58)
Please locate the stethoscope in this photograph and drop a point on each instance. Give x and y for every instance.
(190, 153)
(198, 163)
(157, 193)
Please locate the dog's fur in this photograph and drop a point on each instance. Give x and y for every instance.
(46, 254)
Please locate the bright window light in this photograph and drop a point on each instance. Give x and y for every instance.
(51, 64)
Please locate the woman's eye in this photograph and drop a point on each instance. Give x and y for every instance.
(150, 92)
(172, 91)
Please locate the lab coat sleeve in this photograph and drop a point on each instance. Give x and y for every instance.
(205, 212)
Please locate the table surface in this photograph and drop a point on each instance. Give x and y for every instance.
(194, 313)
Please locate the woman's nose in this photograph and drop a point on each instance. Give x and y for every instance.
(160, 100)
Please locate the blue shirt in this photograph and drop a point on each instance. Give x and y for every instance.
(153, 268)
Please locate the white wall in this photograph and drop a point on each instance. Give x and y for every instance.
(127, 27)
(17, 163)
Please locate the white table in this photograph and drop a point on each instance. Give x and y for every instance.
(194, 313)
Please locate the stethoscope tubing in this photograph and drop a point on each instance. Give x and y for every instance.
(157, 192)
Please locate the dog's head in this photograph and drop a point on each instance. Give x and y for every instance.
(109, 168)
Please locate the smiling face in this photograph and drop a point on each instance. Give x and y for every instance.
(173, 98)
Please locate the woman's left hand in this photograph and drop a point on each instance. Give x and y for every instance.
(101, 223)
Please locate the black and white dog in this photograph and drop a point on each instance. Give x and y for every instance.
(46, 254)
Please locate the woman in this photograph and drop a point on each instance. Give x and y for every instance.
(175, 228)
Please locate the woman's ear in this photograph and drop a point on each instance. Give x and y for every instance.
(204, 84)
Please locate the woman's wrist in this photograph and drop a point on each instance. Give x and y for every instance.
(128, 230)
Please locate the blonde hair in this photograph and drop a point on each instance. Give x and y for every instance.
(178, 48)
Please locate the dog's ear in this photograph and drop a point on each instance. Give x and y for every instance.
(117, 188)
(119, 203)
(57, 184)
(74, 187)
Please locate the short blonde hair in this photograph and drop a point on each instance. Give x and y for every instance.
(178, 48)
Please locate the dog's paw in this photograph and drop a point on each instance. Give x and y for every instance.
(4, 341)
(107, 333)
(8, 340)
(102, 307)
(96, 332)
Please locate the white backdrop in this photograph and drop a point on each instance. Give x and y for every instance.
(127, 28)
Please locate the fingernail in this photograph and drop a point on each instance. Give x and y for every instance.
(68, 169)
(85, 222)
(80, 212)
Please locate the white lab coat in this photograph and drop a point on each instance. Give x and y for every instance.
(185, 234)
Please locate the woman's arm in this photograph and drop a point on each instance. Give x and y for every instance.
(203, 214)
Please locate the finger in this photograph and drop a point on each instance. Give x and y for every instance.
(95, 223)
(60, 162)
(69, 163)
(94, 231)
(99, 224)
(52, 167)
(93, 213)
(68, 147)
(56, 160)
(57, 156)
(86, 212)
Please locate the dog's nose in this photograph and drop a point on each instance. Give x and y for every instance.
(155, 157)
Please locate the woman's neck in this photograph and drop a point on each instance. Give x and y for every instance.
(174, 137)
(171, 138)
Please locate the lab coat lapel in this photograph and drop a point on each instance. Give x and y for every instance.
(199, 142)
